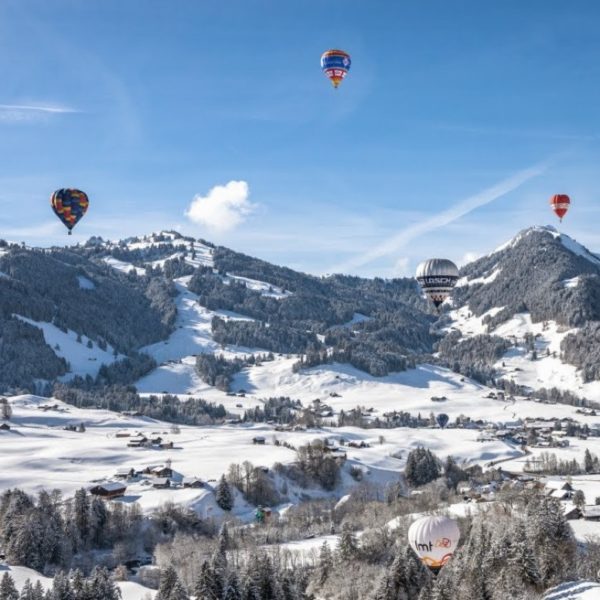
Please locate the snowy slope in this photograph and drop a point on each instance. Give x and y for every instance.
(82, 359)
(129, 589)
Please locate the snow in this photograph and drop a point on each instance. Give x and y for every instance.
(514, 241)
(463, 281)
(265, 289)
(577, 248)
(571, 283)
(129, 589)
(85, 283)
(122, 266)
(83, 360)
(574, 590)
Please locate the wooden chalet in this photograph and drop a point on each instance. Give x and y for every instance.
(110, 490)
(124, 473)
(159, 471)
(259, 439)
(192, 482)
(161, 483)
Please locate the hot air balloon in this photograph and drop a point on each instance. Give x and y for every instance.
(69, 206)
(442, 420)
(434, 540)
(335, 64)
(437, 277)
(560, 205)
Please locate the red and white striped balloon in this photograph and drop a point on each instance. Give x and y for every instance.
(560, 204)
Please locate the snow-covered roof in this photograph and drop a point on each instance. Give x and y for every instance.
(112, 486)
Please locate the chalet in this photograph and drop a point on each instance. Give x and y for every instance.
(361, 444)
(159, 471)
(156, 441)
(591, 512)
(166, 445)
(259, 439)
(110, 490)
(5, 427)
(124, 473)
(192, 482)
(572, 513)
(137, 442)
(123, 434)
(161, 483)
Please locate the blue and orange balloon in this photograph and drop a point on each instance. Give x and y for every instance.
(335, 64)
(69, 205)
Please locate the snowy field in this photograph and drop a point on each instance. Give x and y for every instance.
(38, 453)
(129, 589)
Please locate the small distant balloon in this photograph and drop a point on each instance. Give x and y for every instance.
(69, 205)
(560, 204)
(442, 420)
(437, 277)
(335, 64)
(434, 540)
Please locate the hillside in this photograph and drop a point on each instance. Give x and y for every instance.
(525, 317)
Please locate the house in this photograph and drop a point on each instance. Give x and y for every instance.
(137, 442)
(156, 441)
(192, 482)
(159, 471)
(124, 473)
(591, 512)
(161, 483)
(166, 445)
(5, 427)
(109, 490)
(572, 513)
(122, 434)
(259, 439)
(361, 444)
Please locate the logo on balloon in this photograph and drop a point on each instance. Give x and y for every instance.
(443, 543)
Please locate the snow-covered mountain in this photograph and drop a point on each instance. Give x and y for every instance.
(528, 314)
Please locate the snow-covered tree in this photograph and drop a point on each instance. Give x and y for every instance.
(223, 495)
(8, 591)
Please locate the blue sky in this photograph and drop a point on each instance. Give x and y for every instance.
(456, 123)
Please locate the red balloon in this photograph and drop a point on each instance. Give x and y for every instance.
(560, 205)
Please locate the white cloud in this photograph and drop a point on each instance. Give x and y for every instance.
(458, 210)
(223, 208)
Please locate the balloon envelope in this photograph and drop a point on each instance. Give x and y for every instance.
(560, 204)
(69, 205)
(335, 64)
(434, 540)
(442, 420)
(437, 277)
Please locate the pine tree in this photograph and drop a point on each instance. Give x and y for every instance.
(325, 563)
(168, 580)
(348, 546)
(81, 509)
(223, 495)
(178, 592)
(588, 461)
(231, 589)
(38, 591)
(8, 591)
(27, 591)
(103, 585)
(61, 588)
(206, 586)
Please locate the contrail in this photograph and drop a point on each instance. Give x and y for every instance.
(33, 108)
(462, 208)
